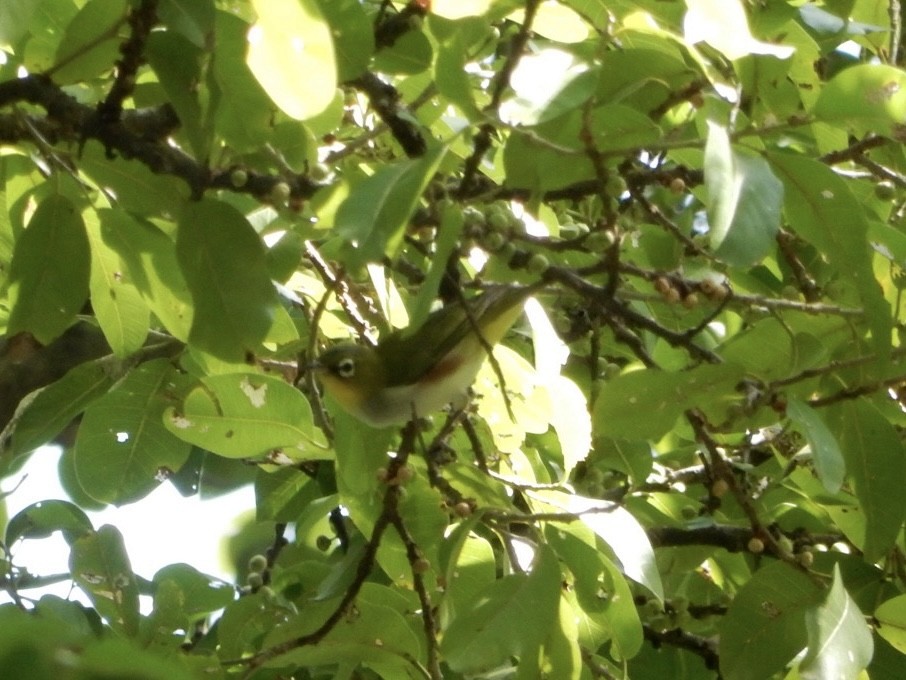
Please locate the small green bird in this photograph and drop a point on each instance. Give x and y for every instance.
(414, 372)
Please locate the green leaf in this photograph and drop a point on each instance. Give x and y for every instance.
(554, 155)
(839, 640)
(378, 636)
(485, 636)
(470, 569)
(245, 622)
(193, 19)
(247, 415)
(225, 266)
(40, 520)
(826, 454)
(90, 45)
(558, 22)
(601, 591)
(822, 209)
(122, 450)
(118, 306)
(243, 111)
(48, 277)
(100, 566)
(876, 462)
(150, 259)
(645, 404)
(457, 9)
(47, 412)
(891, 622)
(291, 38)
(199, 594)
(376, 213)
(15, 21)
(450, 75)
(744, 201)
(137, 189)
(868, 97)
(536, 101)
(411, 53)
(176, 61)
(617, 528)
(353, 36)
(448, 239)
(764, 627)
(723, 25)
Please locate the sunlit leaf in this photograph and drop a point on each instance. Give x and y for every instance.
(291, 38)
(247, 415)
(48, 277)
(484, 636)
(765, 625)
(225, 267)
(122, 450)
(829, 463)
(117, 303)
(645, 404)
(616, 527)
(745, 200)
(101, 568)
(839, 640)
(891, 617)
(875, 461)
(870, 97)
(376, 213)
(723, 25)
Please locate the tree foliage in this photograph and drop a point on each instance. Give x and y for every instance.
(687, 462)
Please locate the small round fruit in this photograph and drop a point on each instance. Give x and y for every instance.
(713, 289)
(462, 509)
(421, 565)
(254, 580)
(257, 563)
(238, 178)
(616, 185)
(280, 192)
(719, 488)
(538, 264)
(405, 474)
(612, 370)
(382, 474)
(319, 172)
(672, 296)
(755, 545)
(322, 543)
(690, 301)
(472, 217)
(806, 558)
(885, 190)
(498, 220)
(506, 251)
(662, 285)
(494, 241)
(678, 185)
(599, 240)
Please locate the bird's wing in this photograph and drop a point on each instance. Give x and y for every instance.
(404, 351)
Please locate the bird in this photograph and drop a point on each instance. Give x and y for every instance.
(414, 372)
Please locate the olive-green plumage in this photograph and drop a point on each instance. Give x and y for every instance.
(417, 371)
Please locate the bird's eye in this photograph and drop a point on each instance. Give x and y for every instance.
(346, 367)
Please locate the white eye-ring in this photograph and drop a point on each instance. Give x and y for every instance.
(346, 367)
